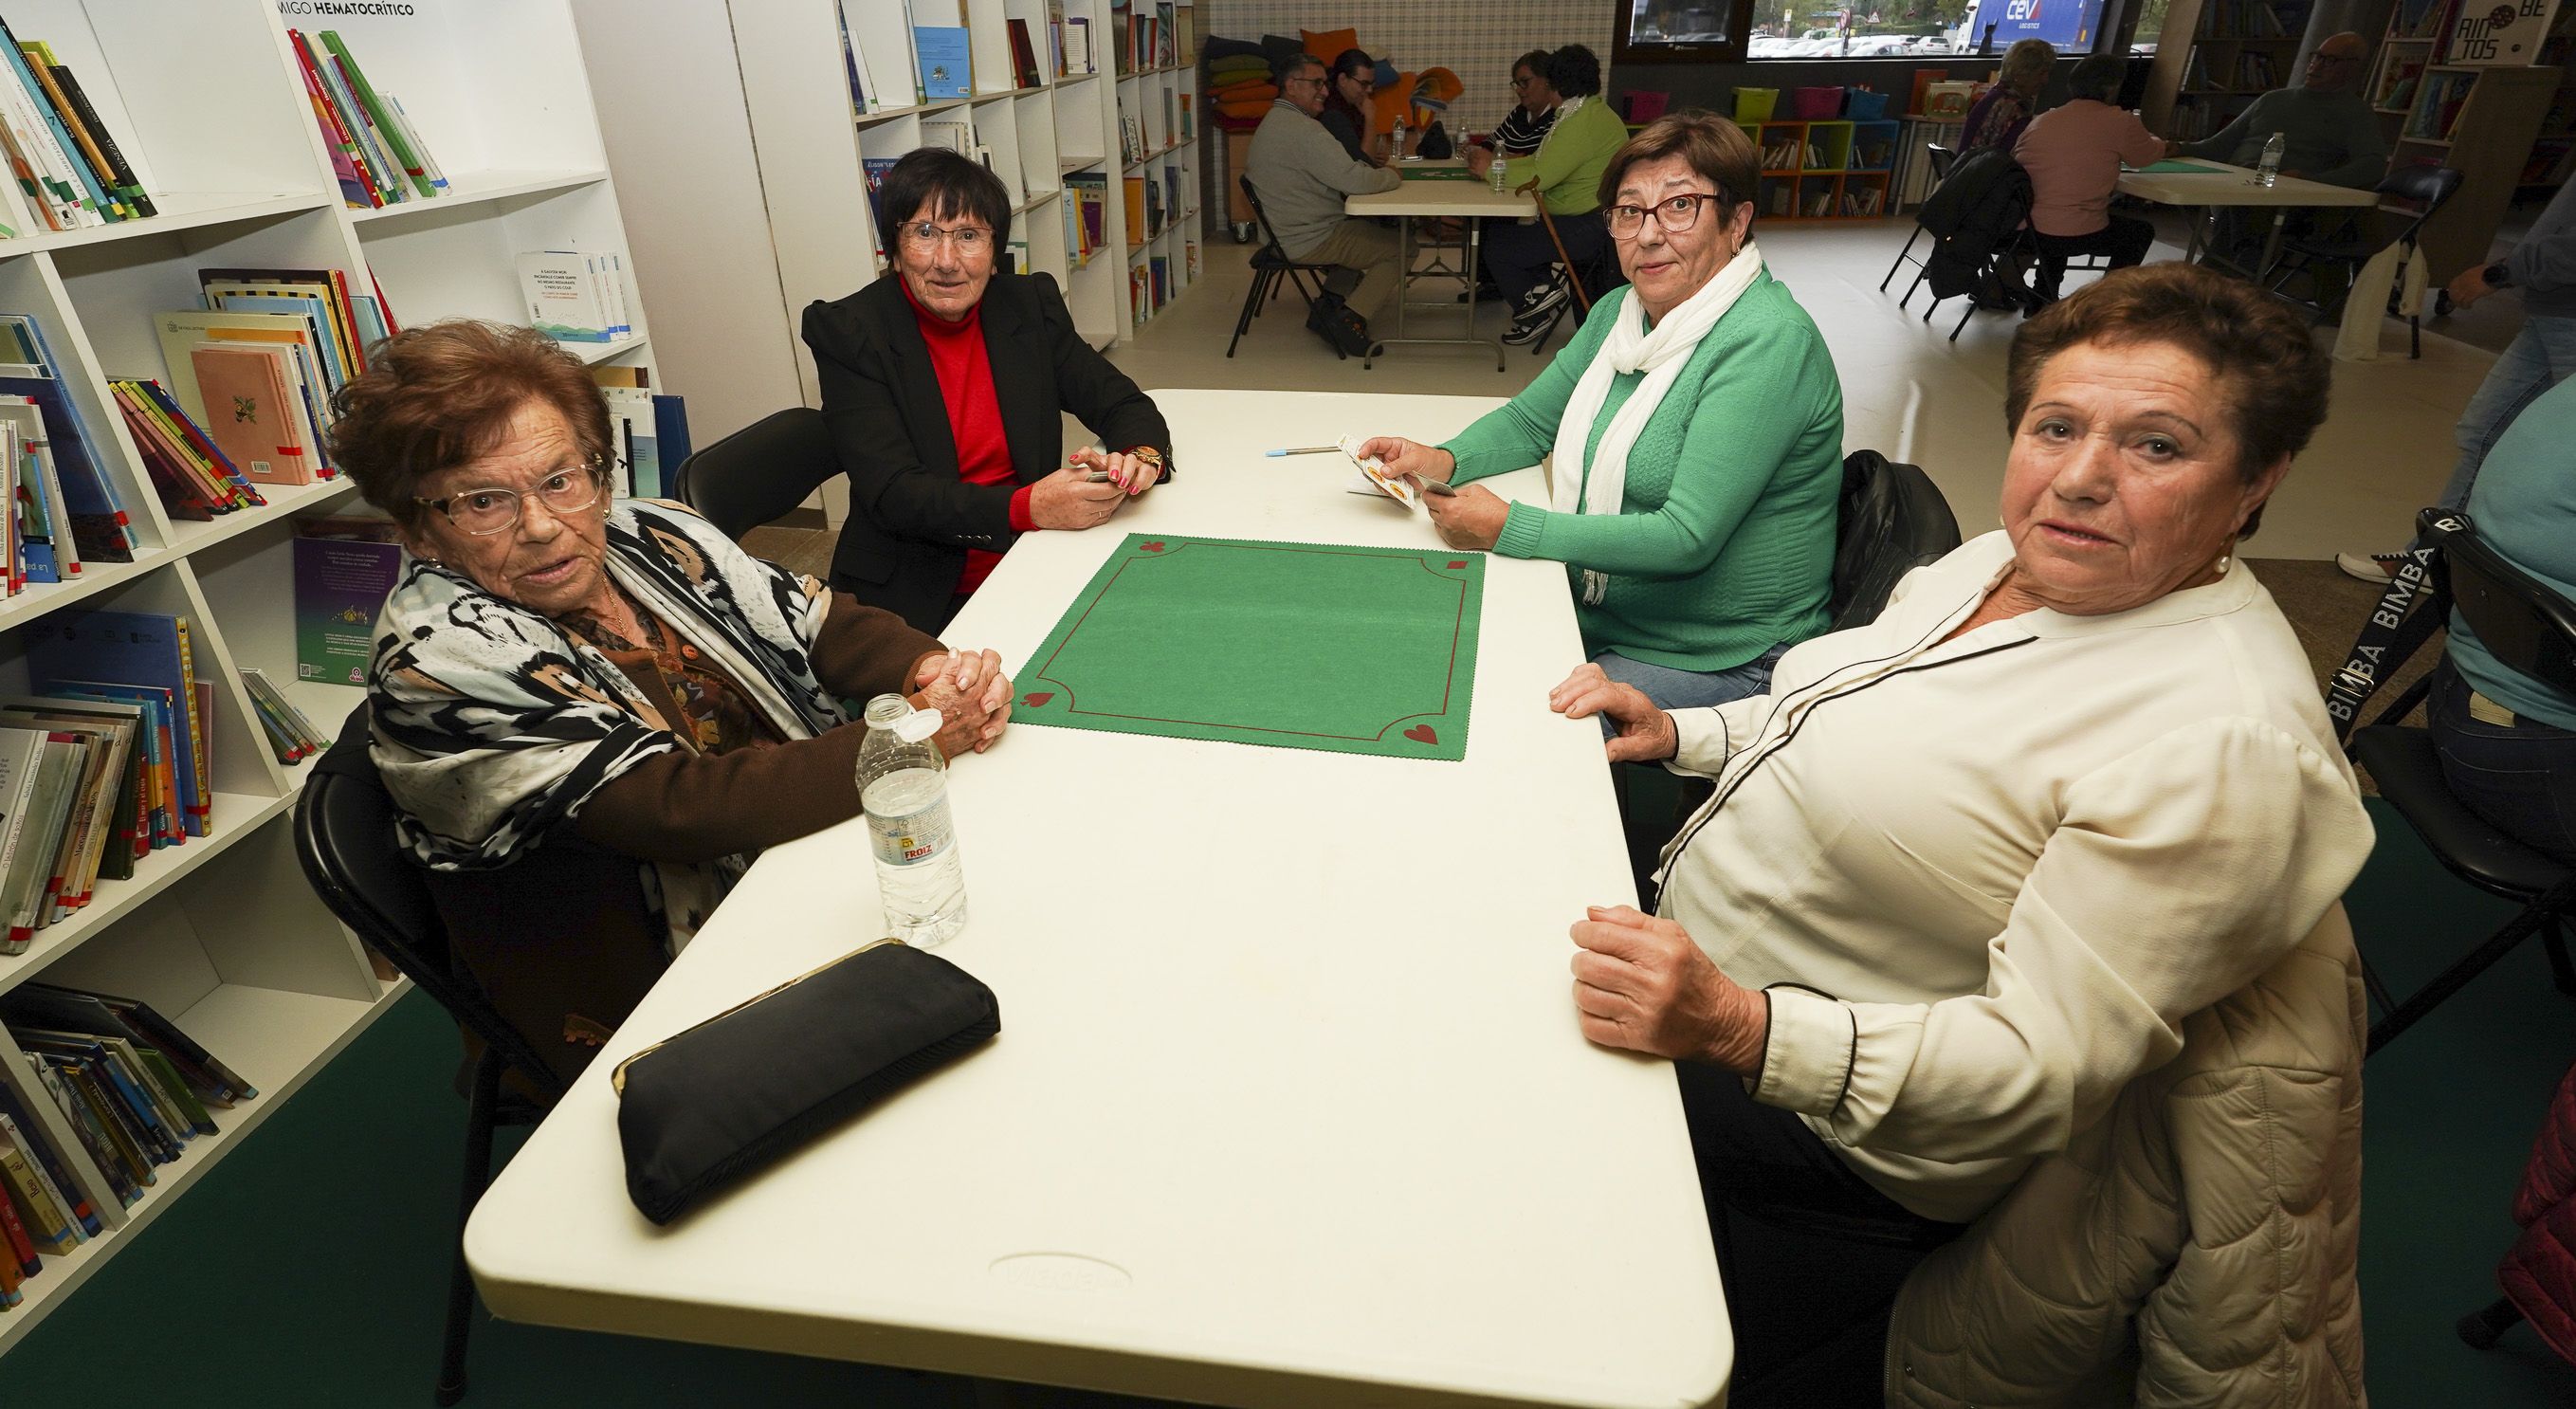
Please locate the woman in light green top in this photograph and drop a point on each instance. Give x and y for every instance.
(1697, 429)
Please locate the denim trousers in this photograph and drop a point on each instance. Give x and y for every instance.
(2541, 356)
(2520, 777)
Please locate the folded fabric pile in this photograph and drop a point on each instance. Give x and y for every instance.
(1238, 82)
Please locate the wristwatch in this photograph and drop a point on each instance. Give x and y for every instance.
(2498, 276)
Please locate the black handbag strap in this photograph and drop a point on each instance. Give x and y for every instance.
(2395, 628)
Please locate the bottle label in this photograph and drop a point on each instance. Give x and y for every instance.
(913, 838)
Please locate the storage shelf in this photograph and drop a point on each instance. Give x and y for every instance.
(235, 816)
(278, 1040)
(909, 110)
(180, 210)
(476, 186)
(1066, 166)
(594, 353)
(189, 535)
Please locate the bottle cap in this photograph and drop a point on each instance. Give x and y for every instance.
(917, 726)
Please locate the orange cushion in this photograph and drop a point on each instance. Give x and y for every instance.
(1328, 44)
(1391, 102)
(1247, 107)
(1261, 88)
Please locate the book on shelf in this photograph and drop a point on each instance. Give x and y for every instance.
(1018, 250)
(873, 171)
(1089, 193)
(378, 156)
(181, 330)
(192, 474)
(1024, 56)
(68, 169)
(292, 735)
(955, 134)
(1185, 35)
(344, 570)
(1166, 49)
(943, 60)
(140, 657)
(1077, 46)
(574, 295)
(633, 429)
(862, 102)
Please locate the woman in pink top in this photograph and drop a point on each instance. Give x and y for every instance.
(2073, 154)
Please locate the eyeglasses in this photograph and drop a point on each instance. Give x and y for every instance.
(1312, 78)
(1675, 213)
(495, 508)
(969, 239)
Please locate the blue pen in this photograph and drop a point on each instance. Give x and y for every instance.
(1302, 450)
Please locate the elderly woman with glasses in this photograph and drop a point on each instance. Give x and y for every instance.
(946, 387)
(591, 711)
(1697, 429)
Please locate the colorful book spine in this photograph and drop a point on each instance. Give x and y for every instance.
(379, 113)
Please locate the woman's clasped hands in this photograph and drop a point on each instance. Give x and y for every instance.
(971, 695)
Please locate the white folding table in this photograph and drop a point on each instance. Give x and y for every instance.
(1473, 202)
(1289, 1105)
(2222, 185)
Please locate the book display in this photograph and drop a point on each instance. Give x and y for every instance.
(165, 380)
(2454, 86)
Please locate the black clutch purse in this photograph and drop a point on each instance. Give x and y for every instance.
(731, 1094)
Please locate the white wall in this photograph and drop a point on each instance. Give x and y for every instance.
(1475, 39)
(679, 143)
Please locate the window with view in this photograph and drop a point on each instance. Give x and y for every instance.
(1803, 29)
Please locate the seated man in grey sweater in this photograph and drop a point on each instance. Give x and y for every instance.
(2328, 132)
(1302, 175)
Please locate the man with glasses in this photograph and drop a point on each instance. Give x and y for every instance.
(1302, 176)
(2329, 131)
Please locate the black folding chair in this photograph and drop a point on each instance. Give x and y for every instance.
(757, 474)
(1270, 266)
(1942, 157)
(2529, 629)
(2430, 187)
(344, 834)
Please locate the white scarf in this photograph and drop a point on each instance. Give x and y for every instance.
(1630, 348)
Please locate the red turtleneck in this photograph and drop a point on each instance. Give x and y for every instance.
(965, 374)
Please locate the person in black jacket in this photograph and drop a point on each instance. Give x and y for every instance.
(945, 387)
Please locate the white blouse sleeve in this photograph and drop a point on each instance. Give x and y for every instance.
(2176, 875)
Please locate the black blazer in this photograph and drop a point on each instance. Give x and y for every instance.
(911, 518)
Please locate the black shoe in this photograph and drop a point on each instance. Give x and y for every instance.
(1526, 331)
(1544, 299)
(1349, 334)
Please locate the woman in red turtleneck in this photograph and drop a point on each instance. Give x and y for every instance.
(945, 387)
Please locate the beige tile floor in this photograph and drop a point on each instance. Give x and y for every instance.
(2384, 450)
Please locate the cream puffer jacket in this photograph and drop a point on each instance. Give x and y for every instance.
(2194, 1247)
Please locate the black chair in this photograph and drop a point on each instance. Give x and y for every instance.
(2005, 227)
(1270, 267)
(1893, 519)
(1942, 158)
(344, 834)
(757, 474)
(2528, 628)
(2429, 186)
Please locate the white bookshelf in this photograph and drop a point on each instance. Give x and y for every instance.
(222, 934)
(768, 116)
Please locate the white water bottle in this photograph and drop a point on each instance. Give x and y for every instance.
(903, 787)
(1497, 172)
(1396, 149)
(2269, 172)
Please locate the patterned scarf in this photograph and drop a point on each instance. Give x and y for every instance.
(493, 724)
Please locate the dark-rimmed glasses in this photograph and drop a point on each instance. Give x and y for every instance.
(1676, 213)
(495, 508)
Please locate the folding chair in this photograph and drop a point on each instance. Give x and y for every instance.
(2422, 182)
(344, 835)
(2530, 629)
(1942, 158)
(755, 475)
(1270, 266)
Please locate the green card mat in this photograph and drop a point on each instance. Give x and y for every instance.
(2176, 168)
(1294, 645)
(1436, 173)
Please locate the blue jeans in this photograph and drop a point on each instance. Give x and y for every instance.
(2541, 356)
(1689, 689)
(2520, 777)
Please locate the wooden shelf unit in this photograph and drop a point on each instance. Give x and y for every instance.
(2480, 119)
(2234, 56)
(223, 934)
(1840, 163)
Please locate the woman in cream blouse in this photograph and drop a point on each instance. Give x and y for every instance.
(1967, 868)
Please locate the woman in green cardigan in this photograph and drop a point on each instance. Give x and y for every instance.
(1697, 429)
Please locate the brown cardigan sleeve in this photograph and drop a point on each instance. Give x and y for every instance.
(682, 806)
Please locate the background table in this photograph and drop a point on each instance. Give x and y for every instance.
(1289, 1105)
(2224, 185)
(1474, 202)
